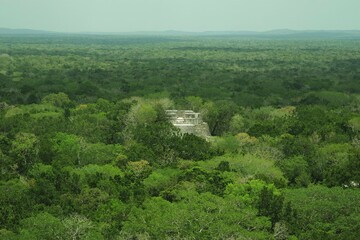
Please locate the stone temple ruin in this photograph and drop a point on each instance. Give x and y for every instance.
(189, 121)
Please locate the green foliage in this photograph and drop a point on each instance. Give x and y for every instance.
(42, 226)
(322, 212)
(7, 167)
(218, 115)
(100, 153)
(296, 170)
(42, 187)
(108, 164)
(67, 149)
(35, 111)
(193, 148)
(206, 181)
(111, 215)
(6, 234)
(92, 174)
(296, 146)
(237, 124)
(355, 124)
(267, 199)
(24, 150)
(249, 166)
(79, 227)
(14, 203)
(331, 163)
(194, 103)
(227, 144)
(86, 121)
(223, 166)
(140, 169)
(250, 192)
(159, 142)
(142, 114)
(89, 200)
(199, 216)
(161, 179)
(137, 151)
(58, 100)
(311, 119)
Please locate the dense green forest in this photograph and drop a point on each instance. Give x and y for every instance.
(87, 151)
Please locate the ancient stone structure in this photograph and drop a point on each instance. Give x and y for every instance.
(189, 121)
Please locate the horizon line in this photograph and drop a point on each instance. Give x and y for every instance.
(288, 30)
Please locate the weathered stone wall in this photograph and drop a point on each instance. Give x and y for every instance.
(189, 122)
(200, 130)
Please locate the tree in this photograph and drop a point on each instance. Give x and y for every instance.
(237, 124)
(281, 231)
(330, 164)
(6, 234)
(194, 103)
(42, 226)
(140, 169)
(354, 124)
(196, 216)
(295, 169)
(270, 205)
(24, 150)
(7, 167)
(227, 144)
(223, 166)
(89, 200)
(78, 227)
(15, 203)
(100, 153)
(161, 179)
(321, 212)
(68, 149)
(142, 113)
(192, 147)
(218, 115)
(43, 188)
(57, 99)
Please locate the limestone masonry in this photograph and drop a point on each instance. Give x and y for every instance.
(189, 121)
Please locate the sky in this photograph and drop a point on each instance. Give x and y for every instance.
(180, 15)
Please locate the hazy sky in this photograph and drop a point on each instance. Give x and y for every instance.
(182, 15)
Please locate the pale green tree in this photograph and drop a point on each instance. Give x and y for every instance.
(57, 99)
